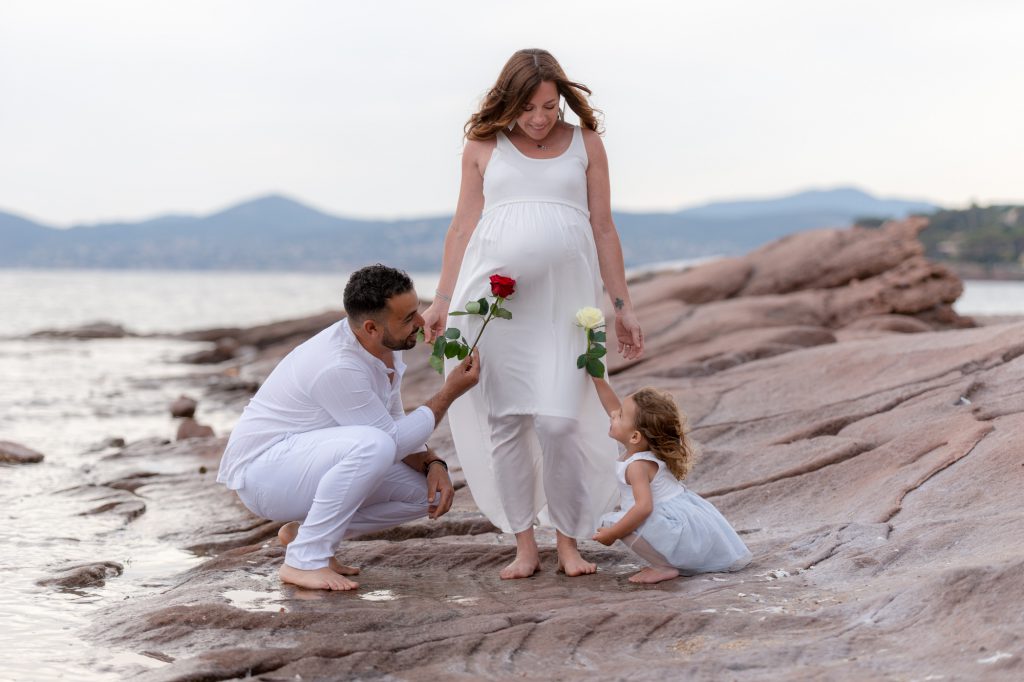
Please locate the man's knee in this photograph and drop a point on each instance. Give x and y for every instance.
(377, 447)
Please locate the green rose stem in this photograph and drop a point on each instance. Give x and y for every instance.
(453, 344)
(490, 316)
(591, 360)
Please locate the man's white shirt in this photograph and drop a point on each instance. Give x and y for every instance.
(330, 380)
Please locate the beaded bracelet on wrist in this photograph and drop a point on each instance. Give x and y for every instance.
(426, 467)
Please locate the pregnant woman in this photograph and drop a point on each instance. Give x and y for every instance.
(534, 205)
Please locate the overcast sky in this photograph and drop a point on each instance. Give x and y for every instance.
(129, 109)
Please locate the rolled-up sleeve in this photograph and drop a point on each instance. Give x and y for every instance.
(347, 395)
(397, 410)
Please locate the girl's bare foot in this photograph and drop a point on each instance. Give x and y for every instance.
(569, 559)
(318, 579)
(527, 561)
(290, 530)
(654, 574)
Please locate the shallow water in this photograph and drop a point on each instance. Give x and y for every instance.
(61, 397)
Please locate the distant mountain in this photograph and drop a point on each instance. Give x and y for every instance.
(278, 233)
(846, 201)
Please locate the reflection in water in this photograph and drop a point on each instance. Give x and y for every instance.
(252, 600)
(379, 595)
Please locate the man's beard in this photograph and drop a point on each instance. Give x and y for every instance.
(391, 343)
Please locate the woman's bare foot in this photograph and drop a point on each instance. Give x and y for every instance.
(521, 567)
(318, 579)
(569, 559)
(287, 533)
(653, 574)
(527, 561)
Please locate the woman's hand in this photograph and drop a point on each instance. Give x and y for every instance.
(629, 335)
(434, 319)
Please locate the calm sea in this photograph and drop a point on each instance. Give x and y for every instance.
(62, 396)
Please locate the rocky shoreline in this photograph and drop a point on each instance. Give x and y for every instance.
(860, 435)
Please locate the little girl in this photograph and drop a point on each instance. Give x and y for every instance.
(663, 522)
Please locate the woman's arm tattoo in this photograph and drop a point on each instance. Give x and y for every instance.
(619, 304)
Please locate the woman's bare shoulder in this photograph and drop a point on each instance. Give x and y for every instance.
(478, 152)
(480, 146)
(593, 144)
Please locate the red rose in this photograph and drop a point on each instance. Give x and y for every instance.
(502, 287)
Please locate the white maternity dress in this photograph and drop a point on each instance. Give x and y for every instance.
(535, 228)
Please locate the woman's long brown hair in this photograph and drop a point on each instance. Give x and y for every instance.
(660, 422)
(523, 72)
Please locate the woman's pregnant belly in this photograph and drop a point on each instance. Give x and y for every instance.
(531, 238)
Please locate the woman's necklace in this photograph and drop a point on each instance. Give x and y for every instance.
(544, 147)
(541, 146)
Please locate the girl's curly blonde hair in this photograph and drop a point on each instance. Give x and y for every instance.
(660, 422)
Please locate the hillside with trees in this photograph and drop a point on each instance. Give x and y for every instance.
(979, 241)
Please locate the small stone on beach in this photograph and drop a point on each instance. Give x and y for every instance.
(184, 407)
(14, 453)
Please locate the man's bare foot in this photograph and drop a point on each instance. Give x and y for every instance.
(318, 579)
(521, 567)
(290, 530)
(342, 569)
(287, 532)
(653, 574)
(569, 559)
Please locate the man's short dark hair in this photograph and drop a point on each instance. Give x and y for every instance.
(369, 289)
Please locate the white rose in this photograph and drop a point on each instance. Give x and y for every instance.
(589, 318)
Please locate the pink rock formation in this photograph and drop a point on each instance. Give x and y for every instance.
(865, 447)
(190, 428)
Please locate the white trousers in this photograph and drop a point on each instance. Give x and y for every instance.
(340, 482)
(515, 440)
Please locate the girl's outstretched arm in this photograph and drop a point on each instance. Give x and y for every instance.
(609, 400)
(638, 476)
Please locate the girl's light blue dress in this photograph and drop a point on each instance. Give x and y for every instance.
(684, 528)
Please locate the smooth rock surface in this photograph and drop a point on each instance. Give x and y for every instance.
(874, 468)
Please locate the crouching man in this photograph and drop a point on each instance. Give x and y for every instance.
(325, 443)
